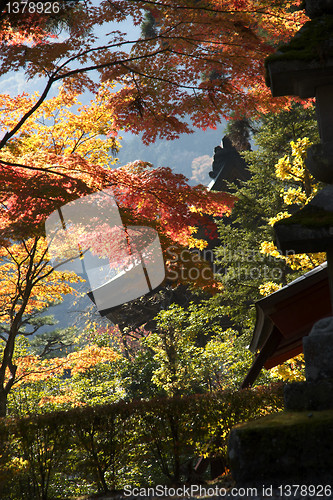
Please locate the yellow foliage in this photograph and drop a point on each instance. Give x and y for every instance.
(279, 216)
(290, 371)
(268, 288)
(88, 357)
(305, 261)
(196, 243)
(71, 397)
(294, 261)
(31, 368)
(11, 468)
(293, 169)
(55, 128)
(294, 195)
(268, 248)
(24, 267)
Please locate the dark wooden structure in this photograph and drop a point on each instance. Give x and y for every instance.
(228, 166)
(285, 317)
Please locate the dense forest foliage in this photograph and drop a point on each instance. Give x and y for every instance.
(139, 397)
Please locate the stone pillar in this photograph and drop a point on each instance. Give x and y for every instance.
(315, 8)
(320, 156)
(324, 108)
(297, 446)
(317, 392)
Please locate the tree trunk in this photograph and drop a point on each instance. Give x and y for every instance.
(3, 403)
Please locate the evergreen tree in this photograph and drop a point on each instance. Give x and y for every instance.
(198, 352)
(239, 132)
(56, 343)
(148, 26)
(242, 266)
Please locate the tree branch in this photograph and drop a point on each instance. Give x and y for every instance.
(27, 115)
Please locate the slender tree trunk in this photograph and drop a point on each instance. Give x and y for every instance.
(7, 364)
(176, 450)
(102, 479)
(3, 403)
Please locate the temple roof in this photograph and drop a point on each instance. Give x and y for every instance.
(228, 166)
(285, 317)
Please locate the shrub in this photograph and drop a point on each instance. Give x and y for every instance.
(108, 446)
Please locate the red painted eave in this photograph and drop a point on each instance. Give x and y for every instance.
(285, 317)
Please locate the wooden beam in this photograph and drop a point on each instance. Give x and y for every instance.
(267, 350)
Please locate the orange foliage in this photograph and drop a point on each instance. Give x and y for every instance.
(88, 357)
(201, 61)
(31, 368)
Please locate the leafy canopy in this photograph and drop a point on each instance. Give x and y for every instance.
(194, 60)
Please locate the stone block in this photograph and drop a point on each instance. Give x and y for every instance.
(316, 8)
(301, 396)
(288, 446)
(318, 355)
(309, 229)
(319, 161)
